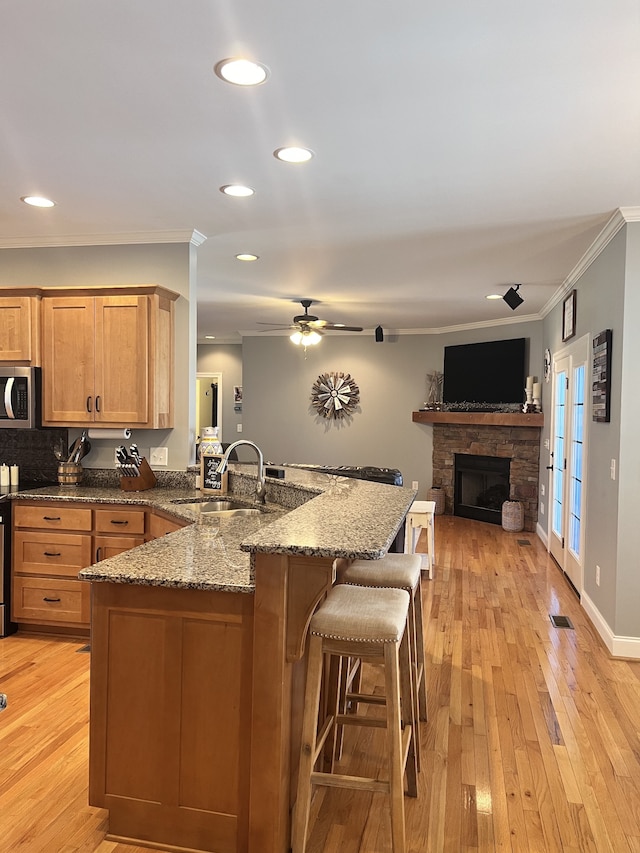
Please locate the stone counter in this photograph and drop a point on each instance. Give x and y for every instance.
(308, 514)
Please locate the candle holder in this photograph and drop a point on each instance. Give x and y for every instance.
(528, 406)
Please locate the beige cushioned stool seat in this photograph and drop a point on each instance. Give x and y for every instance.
(405, 569)
(349, 615)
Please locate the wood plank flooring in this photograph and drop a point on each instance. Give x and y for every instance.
(532, 743)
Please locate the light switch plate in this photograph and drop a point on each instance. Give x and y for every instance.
(159, 456)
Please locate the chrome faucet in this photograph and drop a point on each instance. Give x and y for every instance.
(261, 489)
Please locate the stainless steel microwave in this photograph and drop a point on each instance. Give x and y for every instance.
(20, 391)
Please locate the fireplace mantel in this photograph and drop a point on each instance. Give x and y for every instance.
(511, 419)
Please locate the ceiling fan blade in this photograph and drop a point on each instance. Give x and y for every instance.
(338, 327)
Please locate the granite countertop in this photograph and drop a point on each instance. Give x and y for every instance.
(312, 514)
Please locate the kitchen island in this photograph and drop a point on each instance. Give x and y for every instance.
(197, 661)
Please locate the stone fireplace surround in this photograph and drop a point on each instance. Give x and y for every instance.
(520, 444)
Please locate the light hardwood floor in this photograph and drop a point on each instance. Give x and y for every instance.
(532, 743)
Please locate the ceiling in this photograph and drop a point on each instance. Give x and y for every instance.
(459, 147)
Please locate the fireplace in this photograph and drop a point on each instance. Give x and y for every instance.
(518, 446)
(481, 486)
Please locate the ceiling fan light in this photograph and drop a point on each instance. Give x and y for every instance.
(296, 338)
(311, 338)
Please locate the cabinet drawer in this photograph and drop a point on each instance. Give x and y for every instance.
(51, 553)
(51, 600)
(119, 521)
(50, 517)
(110, 546)
(159, 525)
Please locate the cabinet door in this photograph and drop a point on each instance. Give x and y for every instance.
(160, 525)
(111, 546)
(68, 360)
(18, 329)
(122, 359)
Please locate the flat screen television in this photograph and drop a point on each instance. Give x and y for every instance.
(491, 373)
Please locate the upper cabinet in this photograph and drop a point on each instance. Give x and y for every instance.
(107, 356)
(19, 326)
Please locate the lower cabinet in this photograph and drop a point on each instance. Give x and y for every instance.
(52, 542)
(171, 685)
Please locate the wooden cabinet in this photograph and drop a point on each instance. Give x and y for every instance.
(51, 544)
(171, 685)
(116, 530)
(20, 327)
(108, 356)
(54, 540)
(161, 524)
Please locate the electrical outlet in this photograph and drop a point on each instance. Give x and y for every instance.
(414, 485)
(597, 575)
(542, 489)
(541, 508)
(238, 427)
(546, 444)
(612, 469)
(115, 457)
(159, 456)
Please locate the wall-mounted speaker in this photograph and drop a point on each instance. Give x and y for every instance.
(379, 334)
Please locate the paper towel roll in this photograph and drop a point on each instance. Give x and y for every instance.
(110, 433)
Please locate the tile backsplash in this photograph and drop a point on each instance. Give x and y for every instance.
(32, 451)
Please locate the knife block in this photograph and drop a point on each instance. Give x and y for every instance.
(146, 480)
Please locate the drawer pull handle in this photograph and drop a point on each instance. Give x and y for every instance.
(52, 554)
(98, 552)
(51, 600)
(51, 518)
(88, 404)
(115, 521)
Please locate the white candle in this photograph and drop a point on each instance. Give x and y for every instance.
(14, 474)
(537, 390)
(4, 475)
(529, 383)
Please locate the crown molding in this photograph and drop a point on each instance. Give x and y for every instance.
(125, 239)
(618, 220)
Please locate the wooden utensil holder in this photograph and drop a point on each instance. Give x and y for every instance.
(146, 480)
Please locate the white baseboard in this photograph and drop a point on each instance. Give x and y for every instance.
(619, 647)
(542, 534)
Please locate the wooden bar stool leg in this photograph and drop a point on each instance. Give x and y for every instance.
(394, 734)
(421, 675)
(302, 806)
(409, 720)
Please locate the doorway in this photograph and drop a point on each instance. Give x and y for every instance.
(208, 402)
(568, 464)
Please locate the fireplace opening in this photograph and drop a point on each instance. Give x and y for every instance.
(481, 486)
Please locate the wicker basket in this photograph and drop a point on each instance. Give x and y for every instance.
(512, 516)
(437, 495)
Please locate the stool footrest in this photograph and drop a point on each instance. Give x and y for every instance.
(360, 783)
(359, 720)
(367, 698)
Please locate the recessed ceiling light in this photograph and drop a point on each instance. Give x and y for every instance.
(237, 190)
(293, 154)
(241, 72)
(494, 296)
(246, 256)
(37, 201)
(210, 337)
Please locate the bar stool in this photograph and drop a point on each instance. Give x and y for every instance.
(370, 624)
(398, 571)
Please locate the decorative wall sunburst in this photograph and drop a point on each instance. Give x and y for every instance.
(335, 395)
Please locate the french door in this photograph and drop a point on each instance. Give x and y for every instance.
(570, 396)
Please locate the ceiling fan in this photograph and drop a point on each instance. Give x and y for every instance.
(308, 329)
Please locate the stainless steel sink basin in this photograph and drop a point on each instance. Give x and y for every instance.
(219, 507)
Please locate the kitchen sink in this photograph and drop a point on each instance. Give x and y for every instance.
(219, 507)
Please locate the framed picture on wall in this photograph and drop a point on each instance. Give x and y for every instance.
(569, 316)
(601, 377)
